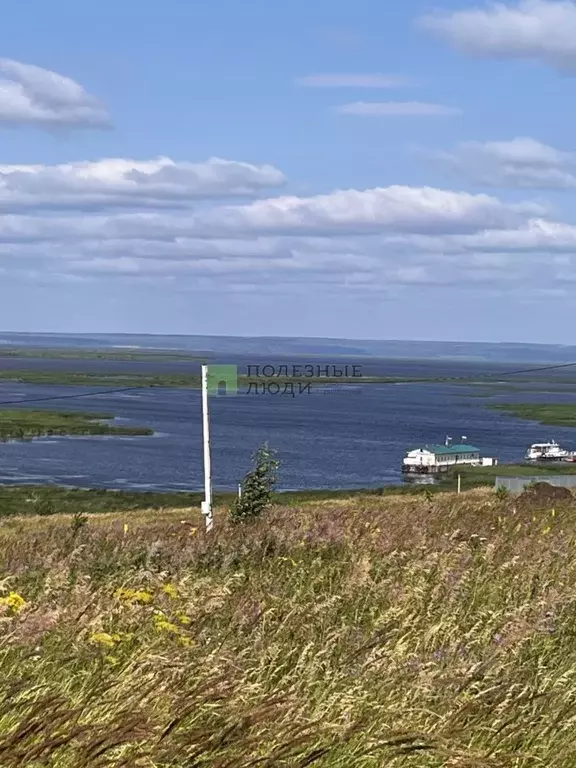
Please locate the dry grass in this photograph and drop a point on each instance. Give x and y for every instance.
(379, 632)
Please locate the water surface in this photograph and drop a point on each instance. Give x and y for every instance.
(339, 437)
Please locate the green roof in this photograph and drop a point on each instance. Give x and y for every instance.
(450, 449)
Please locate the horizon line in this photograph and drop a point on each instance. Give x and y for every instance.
(280, 338)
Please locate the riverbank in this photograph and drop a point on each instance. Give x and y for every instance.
(52, 499)
(470, 478)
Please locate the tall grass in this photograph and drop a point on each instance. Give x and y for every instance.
(373, 632)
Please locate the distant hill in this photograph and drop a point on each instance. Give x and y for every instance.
(297, 346)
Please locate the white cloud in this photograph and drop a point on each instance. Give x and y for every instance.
(294, 262)
(382, 239)
(520, 163)
(397, 109)
(536, 235)
(122, 182)
(353, 81)
(365, 263)
(393, 209)
(30, 94)
(543, 30)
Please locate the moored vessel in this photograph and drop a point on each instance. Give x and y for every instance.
(551, 451)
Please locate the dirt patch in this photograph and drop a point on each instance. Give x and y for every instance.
(544, 494)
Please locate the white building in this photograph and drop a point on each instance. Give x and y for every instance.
(438, 458)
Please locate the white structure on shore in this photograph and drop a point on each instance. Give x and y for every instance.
(439, 458)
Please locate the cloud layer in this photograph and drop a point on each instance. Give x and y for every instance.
(117, 182)
(32, 95)
(522, 163)
(390, 209)
(367, 242)
(543, 30)
(181, 222)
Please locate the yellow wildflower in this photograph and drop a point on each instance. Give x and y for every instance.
(125, 528)
(14, 601)
(186, 641)
(103, 638)
(163, 625)
(183, 619)
(546, 530)
(133, 595)
(171, 590)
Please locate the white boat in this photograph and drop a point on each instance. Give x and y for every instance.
(548, 452)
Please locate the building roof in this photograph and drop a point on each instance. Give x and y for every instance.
(451, 449)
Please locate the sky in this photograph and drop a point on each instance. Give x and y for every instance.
(369, 170)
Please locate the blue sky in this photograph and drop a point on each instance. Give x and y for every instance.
(360, 170)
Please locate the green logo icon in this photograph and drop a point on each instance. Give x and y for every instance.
(222, 377)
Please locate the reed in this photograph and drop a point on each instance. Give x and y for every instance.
(374, 631)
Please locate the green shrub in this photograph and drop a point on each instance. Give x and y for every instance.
(257, 487)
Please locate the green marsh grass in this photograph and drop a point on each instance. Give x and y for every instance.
(553, 414)
(23, 423)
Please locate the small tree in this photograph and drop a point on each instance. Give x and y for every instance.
(257, 486)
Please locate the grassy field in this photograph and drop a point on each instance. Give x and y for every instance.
(21, 423)
(391, 631)
(43, 500)
(18, 500)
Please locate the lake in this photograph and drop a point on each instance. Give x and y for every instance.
(348, 436)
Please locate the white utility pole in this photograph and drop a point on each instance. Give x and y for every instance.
(207, 503)
(459, 483)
